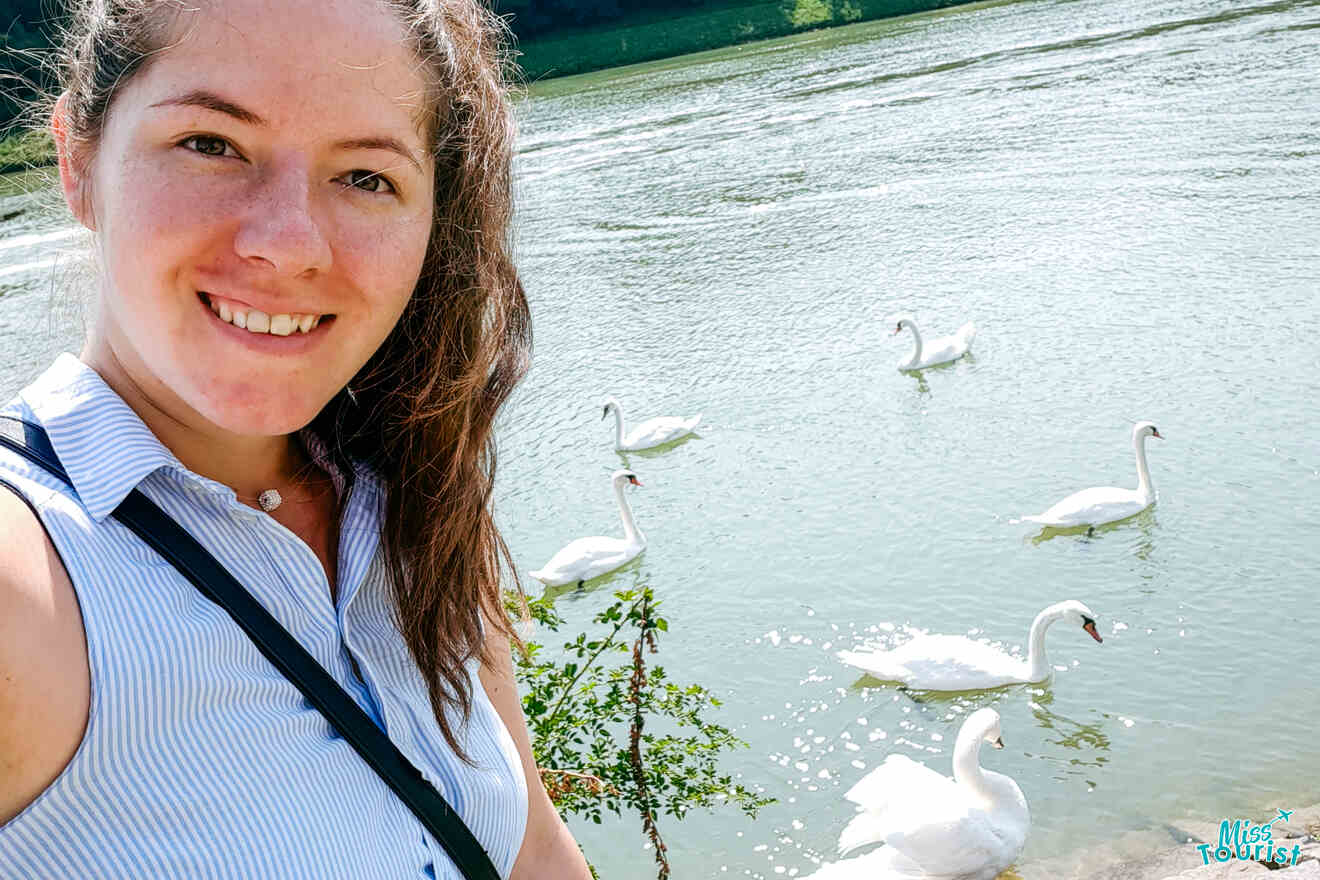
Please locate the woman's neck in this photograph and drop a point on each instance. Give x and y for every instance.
(247, 464)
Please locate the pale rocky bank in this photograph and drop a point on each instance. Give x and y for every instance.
(1170, 853)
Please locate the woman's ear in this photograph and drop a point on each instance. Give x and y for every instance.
(74, 165)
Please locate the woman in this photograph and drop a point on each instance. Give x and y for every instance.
(306, 319)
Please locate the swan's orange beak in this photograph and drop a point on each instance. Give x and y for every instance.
(635, 481)
(1155, 432)
(1089, 626)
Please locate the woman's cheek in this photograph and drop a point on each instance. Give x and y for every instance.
(384, 257)
(160, 209)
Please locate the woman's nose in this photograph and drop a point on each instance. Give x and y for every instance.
(280, 226)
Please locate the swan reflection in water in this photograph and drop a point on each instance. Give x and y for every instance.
(1072, 734)
(1146, 521)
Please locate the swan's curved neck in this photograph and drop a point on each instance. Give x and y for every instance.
(1143, 471)
(1036, 659)
(631, 533)
(618, 428)
(916, 337)
(967, 770)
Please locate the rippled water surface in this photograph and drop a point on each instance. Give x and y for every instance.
(1125, 197)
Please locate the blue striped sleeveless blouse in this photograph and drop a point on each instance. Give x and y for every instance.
(200, 760)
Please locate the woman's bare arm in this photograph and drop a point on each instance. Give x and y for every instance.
(45, 684)
(548, 849)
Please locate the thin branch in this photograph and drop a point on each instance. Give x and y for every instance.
(635, 686)
(554, 711)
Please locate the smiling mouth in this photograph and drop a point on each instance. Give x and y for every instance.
(257, 321)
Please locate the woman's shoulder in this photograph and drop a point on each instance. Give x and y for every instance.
(45, 683)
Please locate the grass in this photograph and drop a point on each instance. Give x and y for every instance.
(26, 150)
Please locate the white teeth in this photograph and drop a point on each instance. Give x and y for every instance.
(257, 321)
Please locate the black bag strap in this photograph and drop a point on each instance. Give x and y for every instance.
(180, 549)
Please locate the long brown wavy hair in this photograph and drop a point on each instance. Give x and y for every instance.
(421, 412)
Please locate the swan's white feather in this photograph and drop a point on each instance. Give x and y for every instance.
(932, 827)
(588, 558)
(1093, 507)
(584, 559)
(960, 837)
(662, 429)
(943, 349)
(942, 662)
(1105, 504)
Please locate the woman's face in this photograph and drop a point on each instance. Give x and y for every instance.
(268, 165)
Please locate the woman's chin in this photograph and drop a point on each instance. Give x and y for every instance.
(263, 415)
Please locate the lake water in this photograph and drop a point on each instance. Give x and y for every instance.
(1125, 197)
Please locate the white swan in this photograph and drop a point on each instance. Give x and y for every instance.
(958, 663)
(1106, 504)
(652, 432)
(970, 827)
(588, 558)
(937, 351)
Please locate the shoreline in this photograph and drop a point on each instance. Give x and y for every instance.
(1154, 855)
(650, 37)
(642, 37)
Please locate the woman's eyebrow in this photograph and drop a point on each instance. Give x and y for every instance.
(211, 101)
(393, 145)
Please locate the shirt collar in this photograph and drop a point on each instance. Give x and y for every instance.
(108, 451)
(105, 448)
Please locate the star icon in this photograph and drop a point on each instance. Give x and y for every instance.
(1285, 815)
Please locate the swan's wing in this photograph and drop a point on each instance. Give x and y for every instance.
(655, 431)
(953, 840)
(941, 663)
(948, 348)
(891, 780)
(938, 351)
(583, 559)
(1099, 504)
(927, 821)
(888, 796)
(880, 664)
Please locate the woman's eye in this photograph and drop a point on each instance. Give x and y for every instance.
(209, 146)
(369, 181)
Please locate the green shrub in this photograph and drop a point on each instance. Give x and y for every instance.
(588, 714)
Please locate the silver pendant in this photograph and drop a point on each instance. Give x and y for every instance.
(269, 500)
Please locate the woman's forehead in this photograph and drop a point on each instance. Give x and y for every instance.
(297, 63)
